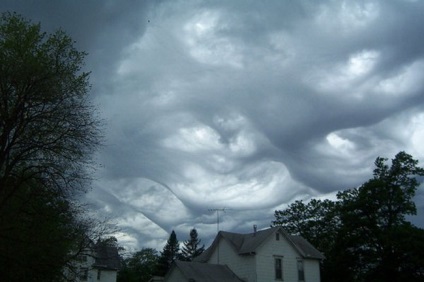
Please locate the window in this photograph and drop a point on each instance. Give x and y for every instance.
(83, 273)
(300, 270)
(279, 268)
(99, 273)
(277, 236)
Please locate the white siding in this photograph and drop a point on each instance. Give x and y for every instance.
(265, 257)
(271, 248)
(261, 266)
(242, 266)
(312, 271)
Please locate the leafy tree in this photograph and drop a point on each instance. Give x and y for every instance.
(110, 241)
(373, 218)
(170, 252)
(139, 267)
(47, 134)
(364, 234)
(31, 247)
(317, 221)
(47, 128)
(191, 247)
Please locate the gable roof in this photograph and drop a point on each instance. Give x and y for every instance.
(245, 244)
(305, 248)
(204, 272)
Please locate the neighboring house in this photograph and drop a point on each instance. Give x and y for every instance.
(99, 263)
(261, 256)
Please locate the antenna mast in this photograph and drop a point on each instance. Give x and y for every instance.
(217, 226)
(217, 216)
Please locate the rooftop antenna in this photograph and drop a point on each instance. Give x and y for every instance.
(217, 226)
(217, 216)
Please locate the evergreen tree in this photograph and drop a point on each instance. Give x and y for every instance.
(191, 248)
(170, 252)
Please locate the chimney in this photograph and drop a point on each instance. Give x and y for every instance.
(255, 228)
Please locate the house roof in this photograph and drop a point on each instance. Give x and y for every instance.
(306, 248)
(106, 257)
(204, 272)
(245, 244)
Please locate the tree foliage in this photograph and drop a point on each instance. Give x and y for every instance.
(192, 248)
(36, 237)
(364, 234)
(48, 133)
(47, 128)
(139, 267)
(312, 221)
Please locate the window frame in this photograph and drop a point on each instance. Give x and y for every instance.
(278, 268)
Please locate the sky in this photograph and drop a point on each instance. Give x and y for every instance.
(242, 106)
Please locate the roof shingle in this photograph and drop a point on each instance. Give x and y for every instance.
(249, 243)
(205, 272)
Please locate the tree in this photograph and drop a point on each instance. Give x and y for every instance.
(47, 128)
(48, 133)
(364, 234)
(139, 267)
(317, 221)
(170, 252)
(373, 218)
(191, 247)
(31, 247)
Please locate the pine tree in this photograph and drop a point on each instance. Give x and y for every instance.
(191, 248)
(170, 252)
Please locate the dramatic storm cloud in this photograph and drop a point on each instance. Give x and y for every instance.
(244, 105)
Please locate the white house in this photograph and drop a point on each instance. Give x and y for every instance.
(261, 256)
(98, 263)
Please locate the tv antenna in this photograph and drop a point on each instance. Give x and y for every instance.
(217, 226)
(217, 216)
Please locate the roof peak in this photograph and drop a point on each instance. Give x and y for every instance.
(248, 243)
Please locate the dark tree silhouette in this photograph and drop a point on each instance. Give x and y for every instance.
(170, 252)
(139, 267)
(191, 248)
(364, 234)
(48, 133)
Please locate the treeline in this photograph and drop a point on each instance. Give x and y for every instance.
(364, 234)
(48, 133)
(148, 262)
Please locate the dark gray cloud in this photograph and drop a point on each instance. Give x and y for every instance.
(244, 105)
